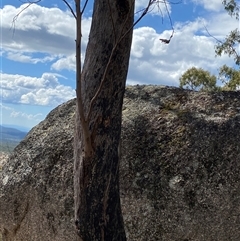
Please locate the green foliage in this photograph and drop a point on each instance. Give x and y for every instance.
(231, 7)
(230, 78)
(198, 79)
(229, 45)
(233, 39)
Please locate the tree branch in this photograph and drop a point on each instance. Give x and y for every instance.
(18, 14)
(85, 128)
(85, 5)
(221, 43)
(167, 41)
(74, 15)
(212, 35)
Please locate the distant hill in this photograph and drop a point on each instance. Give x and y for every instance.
(10, 137)
(20, 128)
(11, 134)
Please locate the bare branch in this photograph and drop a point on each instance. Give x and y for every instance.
(86, 133)
(84, 6)
(29, 4)
(147, 10)
(18, 14)
(170, 19)
(74, 15)
(167, 41)
(150, 2)
(212, 35)
(231, 51)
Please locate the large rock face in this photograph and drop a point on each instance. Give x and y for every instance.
(180, 170)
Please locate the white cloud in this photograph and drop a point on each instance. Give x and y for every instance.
(220, 24)
(155, 62)
(49, 96)
(36, 17)
(212, 5)
(45, 90)
(22, 116)
(141, 39)
(68, 63)
(19, 114)
(27, 58)
(38, 29)
(4, 107)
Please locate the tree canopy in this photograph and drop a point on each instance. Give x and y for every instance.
(198, 79)
(230, 77)
(202, 80)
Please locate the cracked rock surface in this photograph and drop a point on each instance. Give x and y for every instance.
(180, 170)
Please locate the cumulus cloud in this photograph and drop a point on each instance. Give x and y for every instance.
(35, 29)
(45, 90)
(68, 62)
(39, 29)
(158, 63)
(27, 58)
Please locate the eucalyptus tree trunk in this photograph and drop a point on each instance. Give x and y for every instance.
(97, 135)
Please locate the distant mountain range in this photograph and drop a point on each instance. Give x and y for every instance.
(20, 128)
(10, 137)
(11, 134)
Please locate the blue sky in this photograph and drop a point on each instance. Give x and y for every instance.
(38, 59)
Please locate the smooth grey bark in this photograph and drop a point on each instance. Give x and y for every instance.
(96, 173)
